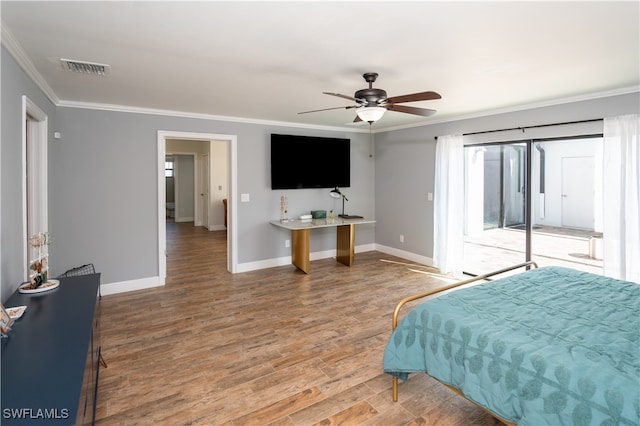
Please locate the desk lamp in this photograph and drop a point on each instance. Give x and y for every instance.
(335, 193)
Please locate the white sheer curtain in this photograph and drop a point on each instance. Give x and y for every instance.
(448, 238)
(621, 197)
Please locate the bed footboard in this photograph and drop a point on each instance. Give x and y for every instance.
(408, 299)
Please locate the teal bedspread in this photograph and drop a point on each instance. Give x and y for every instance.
(550, 346)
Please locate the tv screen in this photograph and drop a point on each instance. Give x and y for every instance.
(309, 162)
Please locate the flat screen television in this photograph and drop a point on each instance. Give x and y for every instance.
(309, 162)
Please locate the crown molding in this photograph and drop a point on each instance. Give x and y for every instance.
(15, 49)
(447, 119)
(184, 114)
(517, 108)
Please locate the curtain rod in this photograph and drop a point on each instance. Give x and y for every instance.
(532, 127)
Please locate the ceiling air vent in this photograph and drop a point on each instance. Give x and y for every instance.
(85, 67)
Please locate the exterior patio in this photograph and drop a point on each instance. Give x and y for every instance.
(551, 246)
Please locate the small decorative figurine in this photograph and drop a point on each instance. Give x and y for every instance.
(40, 265)
(283, 209)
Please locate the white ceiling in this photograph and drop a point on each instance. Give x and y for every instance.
(270, 60)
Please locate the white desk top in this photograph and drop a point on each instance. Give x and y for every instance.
(294, 224)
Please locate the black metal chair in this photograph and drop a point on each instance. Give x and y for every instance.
(81, 270)
(84, 270)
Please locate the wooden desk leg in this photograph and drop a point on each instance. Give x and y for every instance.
(300, 249)
(345, 242)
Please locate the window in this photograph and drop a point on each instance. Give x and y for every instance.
(169, 167)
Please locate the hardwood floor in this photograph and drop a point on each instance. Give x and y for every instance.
(273, 346)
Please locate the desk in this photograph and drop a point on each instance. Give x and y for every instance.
(50, 359)
(345, 238)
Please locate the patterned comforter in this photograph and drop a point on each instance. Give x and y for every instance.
(549, 346)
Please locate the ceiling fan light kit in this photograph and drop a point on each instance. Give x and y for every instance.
(370, 114)
(371, 103)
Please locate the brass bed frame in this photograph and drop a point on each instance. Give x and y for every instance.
(408, 299)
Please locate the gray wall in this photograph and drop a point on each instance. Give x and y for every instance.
(14, 84)
(405, 165)
(104, 203)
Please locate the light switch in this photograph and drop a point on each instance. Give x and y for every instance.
(429, 196)
(244, 198)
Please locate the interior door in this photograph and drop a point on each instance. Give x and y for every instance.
(577, 192)
(503, 240)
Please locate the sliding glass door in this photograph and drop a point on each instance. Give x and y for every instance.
(494, 207)
(556, 225)
(567, 203)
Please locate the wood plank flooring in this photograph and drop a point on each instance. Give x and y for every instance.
(268, 347)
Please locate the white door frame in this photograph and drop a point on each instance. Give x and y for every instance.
(35, 214)
(232, 229)
(203, 191)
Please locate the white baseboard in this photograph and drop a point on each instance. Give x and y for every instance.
(286, 260)
(424, 260)
(150, 282)
(183, 219)
(124, 286)
(263, 264)
(217, 228)
(365, 247)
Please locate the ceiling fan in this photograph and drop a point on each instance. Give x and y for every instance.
(371, 103)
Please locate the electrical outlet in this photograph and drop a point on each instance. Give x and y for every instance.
(287, 243)
(401, 238)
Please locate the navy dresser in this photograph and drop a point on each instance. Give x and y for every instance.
(50, 359)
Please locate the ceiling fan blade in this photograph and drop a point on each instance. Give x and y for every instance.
(357, 119)
(411, 110)
(328, 109)
(422, 96)
(351, 98)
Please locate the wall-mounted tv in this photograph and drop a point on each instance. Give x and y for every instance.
(309, 162)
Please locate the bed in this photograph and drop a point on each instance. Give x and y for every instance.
(548, 346)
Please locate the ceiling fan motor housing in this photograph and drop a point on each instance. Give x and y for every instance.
(371, 96)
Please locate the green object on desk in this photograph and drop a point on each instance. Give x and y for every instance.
(319, 214)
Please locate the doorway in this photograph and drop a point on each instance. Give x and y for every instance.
(231, 160)
(577, 192)
(34, 179)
